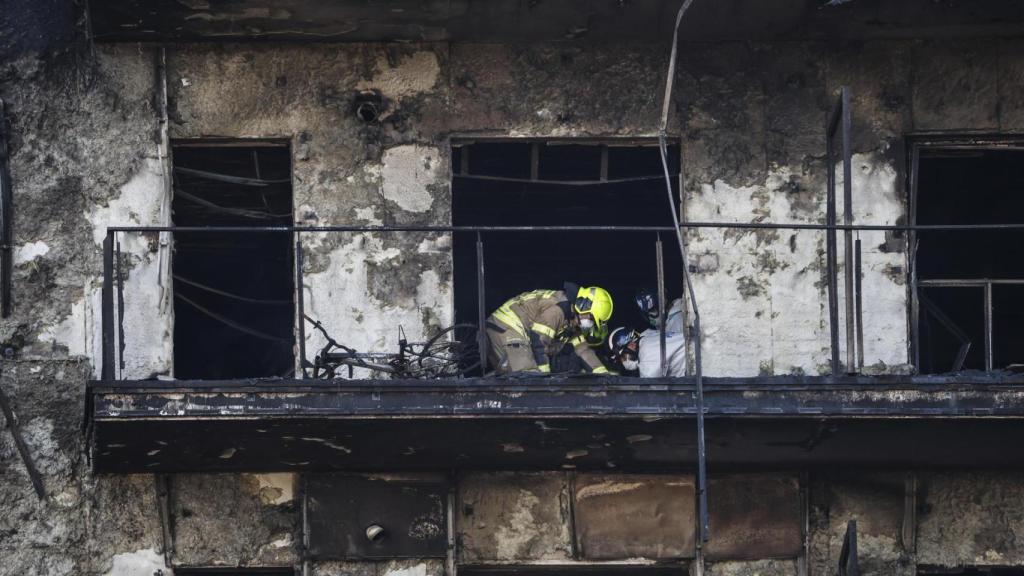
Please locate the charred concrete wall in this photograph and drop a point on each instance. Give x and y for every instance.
(85, 154)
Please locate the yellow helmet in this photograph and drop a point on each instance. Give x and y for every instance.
(594, 301)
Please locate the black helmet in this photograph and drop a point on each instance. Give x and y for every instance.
(647, 301)
(620, 339)
(623, 344)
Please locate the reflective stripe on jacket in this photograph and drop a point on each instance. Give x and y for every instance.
(543, 317)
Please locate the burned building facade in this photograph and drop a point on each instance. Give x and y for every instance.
(184, 183)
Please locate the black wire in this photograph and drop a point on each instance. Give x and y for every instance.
(240, 212)
(231, 295)
(232, 324)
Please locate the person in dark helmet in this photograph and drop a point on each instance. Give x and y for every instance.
(647, 301)
(641, 352)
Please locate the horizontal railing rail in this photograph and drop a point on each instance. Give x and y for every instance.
(683, 226)
(113, 285)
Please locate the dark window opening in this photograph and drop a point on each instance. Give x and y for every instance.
(973, 571)
(233, 312)
(578, 570)
(556, 184)
(235, 571)
(970, 283)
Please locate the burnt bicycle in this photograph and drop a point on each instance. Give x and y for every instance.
(452, 352)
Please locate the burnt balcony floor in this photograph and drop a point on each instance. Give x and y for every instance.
(596, 423)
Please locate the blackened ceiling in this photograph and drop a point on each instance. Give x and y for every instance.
(547, 20)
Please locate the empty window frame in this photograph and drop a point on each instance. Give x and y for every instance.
(562, 183)
(968, 285)
(233, 305)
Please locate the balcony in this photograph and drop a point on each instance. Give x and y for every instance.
(224, 411)
(555, 423)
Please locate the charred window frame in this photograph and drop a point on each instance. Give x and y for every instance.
(919, 148)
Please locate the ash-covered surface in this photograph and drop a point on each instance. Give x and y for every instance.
(233, 520)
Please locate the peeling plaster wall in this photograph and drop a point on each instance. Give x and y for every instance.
(88, 524)
(753, 568)
(84, 155)
(234, 520)
(362, 286)
(751, 117)
(972, 518)
(387, 568)
(507, 517)
(876, 501)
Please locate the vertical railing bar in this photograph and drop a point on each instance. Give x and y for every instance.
(120, 306)
(703, 529)
(534, 161)
(300, 303)
(481, 334)
(464, 160)
(988, 326)
(858, 278)
(107, 370)
(662, 305)
(830, 249)
(604, 163)
(848, 234)
(912, 245)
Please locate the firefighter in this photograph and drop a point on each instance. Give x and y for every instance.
(528, 330)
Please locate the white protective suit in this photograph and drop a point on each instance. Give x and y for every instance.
(674, 320)
(650, 354)
(675, 346)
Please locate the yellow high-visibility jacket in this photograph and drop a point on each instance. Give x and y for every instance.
(544, 318)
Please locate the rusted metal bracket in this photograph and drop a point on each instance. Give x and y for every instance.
(452, 556)
(802, 568)
(162, 484)
(909, 531)
(848, 563)
(6, 221)
(19, 441)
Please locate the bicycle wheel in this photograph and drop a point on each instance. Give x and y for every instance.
(451, 353)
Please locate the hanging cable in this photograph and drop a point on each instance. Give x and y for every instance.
(231, 323)
(702, 498)
(241, 212)
(229, 178)
(230, 295)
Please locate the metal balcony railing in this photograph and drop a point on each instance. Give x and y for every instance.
(113, 284)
